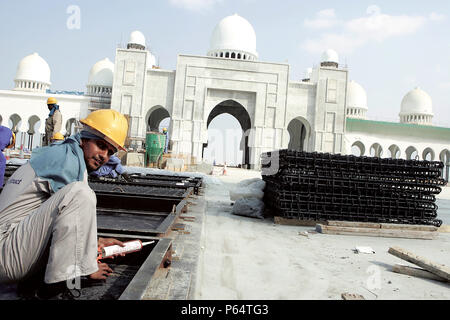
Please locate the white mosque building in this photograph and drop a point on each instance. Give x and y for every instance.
(325, 112)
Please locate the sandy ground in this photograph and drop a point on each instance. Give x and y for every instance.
(248, 258)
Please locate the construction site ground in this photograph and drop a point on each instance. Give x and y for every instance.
(219, 255)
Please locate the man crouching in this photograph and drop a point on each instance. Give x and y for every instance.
(48, 221)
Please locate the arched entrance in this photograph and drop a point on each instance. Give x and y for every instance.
(236, 110)
(33, 127)
(394, 151)
(15, 122)
(299, 132)
(376, 150)
(428, 154)
(358, 149)
(72, 126)
(156, 116)
(411, 153)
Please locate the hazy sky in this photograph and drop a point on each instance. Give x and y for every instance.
(390, 47)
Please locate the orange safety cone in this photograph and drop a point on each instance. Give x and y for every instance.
(224, 170)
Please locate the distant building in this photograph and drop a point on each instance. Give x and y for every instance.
(323, 112)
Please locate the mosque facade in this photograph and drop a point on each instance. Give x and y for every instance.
(324, 112)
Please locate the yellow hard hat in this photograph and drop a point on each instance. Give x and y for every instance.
(52, 100)
(164, 129)
(13, 141)
(111, 123)
(58, 136)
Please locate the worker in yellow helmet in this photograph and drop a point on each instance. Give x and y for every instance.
(48, 229)
(54, 121)
(166, 143)
(57, 138)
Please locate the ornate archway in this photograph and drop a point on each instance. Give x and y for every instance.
(376, 150)
(155, 116)
(299, 131)
(236, 110)
(358, 149)
(34, 122)
(394, 151)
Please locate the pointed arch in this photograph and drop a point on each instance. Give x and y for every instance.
(238, 111)
(299, 131)
(358, 149)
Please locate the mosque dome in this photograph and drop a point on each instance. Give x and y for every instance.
(102, 73)
(137, 40)
(356, 96)
(33, 74)
(416, 107)
(329, 58)
(233, 37)
(356, 101)
(101, 76)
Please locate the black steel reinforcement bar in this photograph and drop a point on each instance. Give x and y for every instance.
(135, 179)
(323, 186)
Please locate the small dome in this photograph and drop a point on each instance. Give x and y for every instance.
(416, 102)
(101, 74)
(136, 37)
(234, 33)
(33, 68)
(356, 96)
(330, 56)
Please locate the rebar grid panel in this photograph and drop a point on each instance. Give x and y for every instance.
(323, 186)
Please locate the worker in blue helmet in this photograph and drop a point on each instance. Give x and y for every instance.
(7, 140)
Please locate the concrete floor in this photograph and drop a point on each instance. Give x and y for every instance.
(248, 258)
(218, 255)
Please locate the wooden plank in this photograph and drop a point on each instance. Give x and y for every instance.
(444, 228)
(416, 272)
(375, 225)
(416, 227)
(408, 234)
(439, 270)
(354, 224)
(295, 222)
(187, 217)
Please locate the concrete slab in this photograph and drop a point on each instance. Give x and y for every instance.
(247, 258)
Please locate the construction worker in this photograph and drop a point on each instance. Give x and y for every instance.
(48, 226)
(54, 121)
(112, 169)
(57, 138)
(7, 140)
(167, 139)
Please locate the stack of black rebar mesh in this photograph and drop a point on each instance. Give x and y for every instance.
(323, 186)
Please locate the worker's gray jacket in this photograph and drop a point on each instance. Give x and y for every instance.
(53, 125)
(32, 220)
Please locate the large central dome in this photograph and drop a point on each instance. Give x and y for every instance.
(233, 36)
